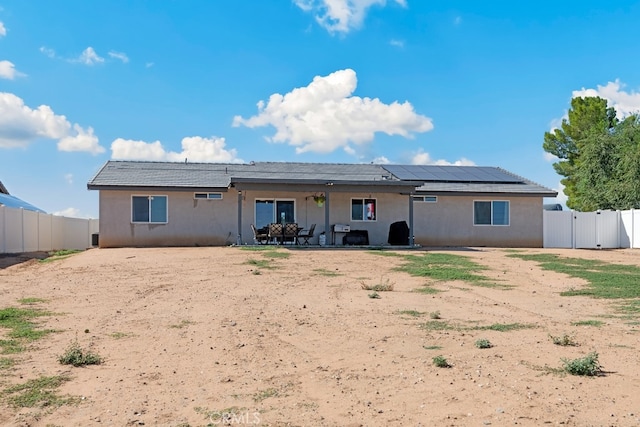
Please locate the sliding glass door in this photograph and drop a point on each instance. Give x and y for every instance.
(274, 210)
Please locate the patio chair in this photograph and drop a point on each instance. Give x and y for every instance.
(275, 233)
(291, 232)
(306, 235)
(260, 236)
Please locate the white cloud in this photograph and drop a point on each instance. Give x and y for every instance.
(625, 103)
(149, 64)
(195, 149)
(341, 16)
(3, 29)
(397, 43)
(119, 55)
(561, 197)
(8, 71)
(68, 212)
(423, 158)
(324, 116)
(381, 160)
(81, 141)
(68, 177)
(48, 52)
(89, 57)
(21, 125)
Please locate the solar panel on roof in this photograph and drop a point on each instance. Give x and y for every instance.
(451, 173)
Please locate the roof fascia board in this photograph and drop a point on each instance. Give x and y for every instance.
(335, 188)
(484, 193)
(153, 188)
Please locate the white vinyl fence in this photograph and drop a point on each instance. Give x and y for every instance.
(27, 231)
(592, 230)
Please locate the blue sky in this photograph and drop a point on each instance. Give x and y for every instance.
(395, 81)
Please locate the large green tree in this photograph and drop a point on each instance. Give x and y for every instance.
(588, 120)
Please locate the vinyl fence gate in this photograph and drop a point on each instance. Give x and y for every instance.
(592, 230)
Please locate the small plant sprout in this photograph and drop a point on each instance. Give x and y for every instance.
(441, 362)
(483, 343)
(565, 340)
(435, 315)
(77, 356)
(586, 366)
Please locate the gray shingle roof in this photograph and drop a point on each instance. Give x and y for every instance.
(118, 174)
(219, 175)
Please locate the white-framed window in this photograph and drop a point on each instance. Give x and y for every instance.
(208, 196)
(149, 209)
(363, 210)
(426, 199)
(268, 211)
(491, 212)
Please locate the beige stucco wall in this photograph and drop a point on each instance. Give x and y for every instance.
(191, 222)
(449, 222)
(200, 222)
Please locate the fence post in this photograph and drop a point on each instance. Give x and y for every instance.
(633, 231)
(573, 229)
(22, 227)
(4, 229)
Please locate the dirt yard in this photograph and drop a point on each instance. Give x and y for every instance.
(211, 336)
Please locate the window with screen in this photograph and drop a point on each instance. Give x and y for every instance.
(493, 212)
(149, 209)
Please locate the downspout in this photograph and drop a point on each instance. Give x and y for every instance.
(411, 237)
(239, 238)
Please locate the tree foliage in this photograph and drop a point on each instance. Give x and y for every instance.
(598, 156)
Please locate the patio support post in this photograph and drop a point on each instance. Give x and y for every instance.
(239, 238)
(411, 237)
(327, 226)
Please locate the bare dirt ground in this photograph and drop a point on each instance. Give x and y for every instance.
(188, 334)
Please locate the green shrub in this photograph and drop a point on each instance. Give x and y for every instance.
(77, 356)
(587, 366)
(483, 343)
(441, 362)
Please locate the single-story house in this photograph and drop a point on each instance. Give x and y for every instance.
(212, 204)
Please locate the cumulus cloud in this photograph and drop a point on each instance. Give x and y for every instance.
(3, 30)
(194, 148)
(423, 158)
(68, 177)
(625, 103)
(397, 43)
(119, 55)
(324, 116)
(8, 71)
(20, 125)
(341, 16)
(561, 197)
(89, 57)
(81, 140)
